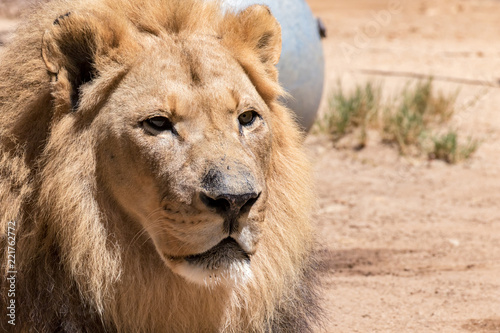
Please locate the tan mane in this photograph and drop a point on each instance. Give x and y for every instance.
(76, 265)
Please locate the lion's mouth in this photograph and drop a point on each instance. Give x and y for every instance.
(226, 263)
(221, 256)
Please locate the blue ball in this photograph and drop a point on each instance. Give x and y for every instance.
(301, 66)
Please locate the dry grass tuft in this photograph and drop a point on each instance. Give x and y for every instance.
(351, 113)
(446, 147)
(407, 122)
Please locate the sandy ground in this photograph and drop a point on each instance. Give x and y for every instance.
(410, 245)
(6, 27)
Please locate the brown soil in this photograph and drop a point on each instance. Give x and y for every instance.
(14, 8)
(6, 28)
(409, 245)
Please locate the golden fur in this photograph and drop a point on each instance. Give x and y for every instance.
(107, 207)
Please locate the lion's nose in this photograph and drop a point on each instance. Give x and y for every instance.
(228, 205)
(231, 191)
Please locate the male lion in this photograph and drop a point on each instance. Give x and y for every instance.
(150, 181)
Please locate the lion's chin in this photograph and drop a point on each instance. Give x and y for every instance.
(225, 264)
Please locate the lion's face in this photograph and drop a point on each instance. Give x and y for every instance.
(182, 126)
(183, 147)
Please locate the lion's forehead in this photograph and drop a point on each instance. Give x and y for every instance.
(189, 76)
(195, 61)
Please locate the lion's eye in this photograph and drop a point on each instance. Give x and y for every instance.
(247, 118)
(158, 124)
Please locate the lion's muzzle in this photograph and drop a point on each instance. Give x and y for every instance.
(231, 194)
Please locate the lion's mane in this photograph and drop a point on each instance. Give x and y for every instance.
(73, 272)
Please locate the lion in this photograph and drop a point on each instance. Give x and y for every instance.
(150, 179)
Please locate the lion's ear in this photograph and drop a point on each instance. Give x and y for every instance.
(262, 32)
(73, 48)
(254, 38)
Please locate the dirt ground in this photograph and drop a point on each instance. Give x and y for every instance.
(409, 245)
